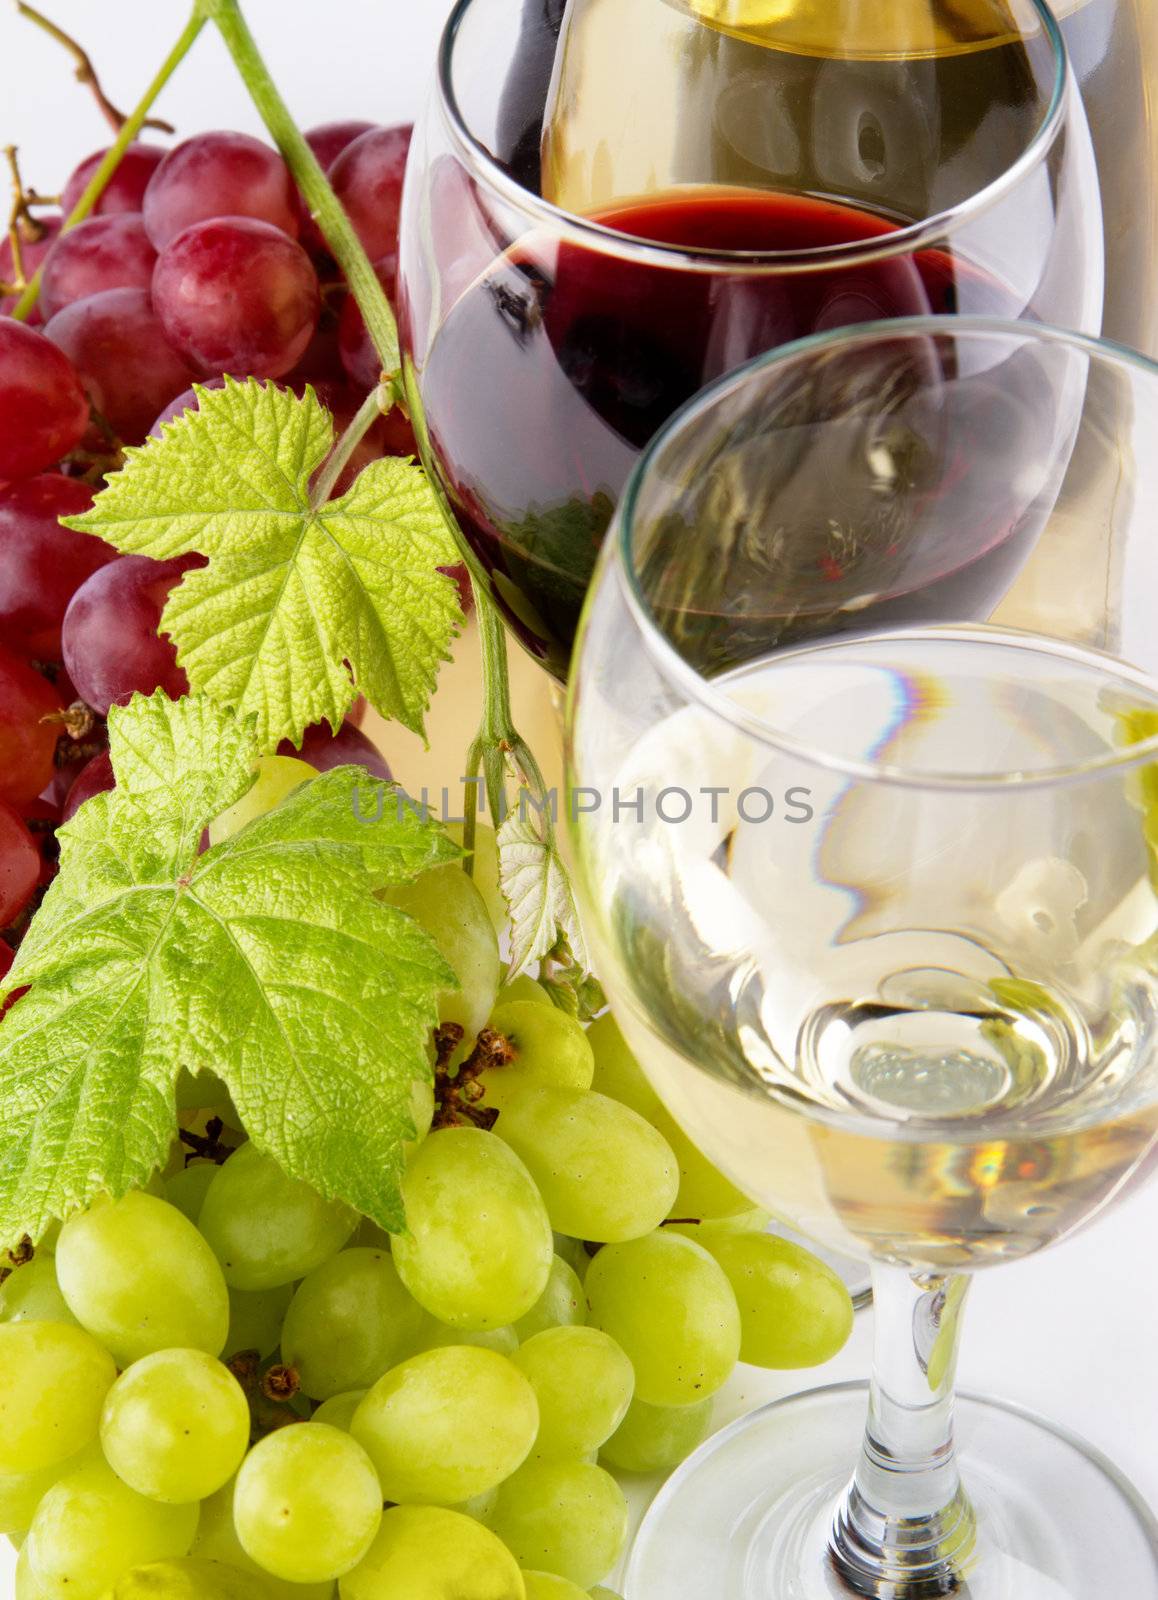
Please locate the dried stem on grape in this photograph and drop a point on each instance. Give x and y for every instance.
(86, 72)
(208, 1146)
(23, 227)
(280, 1383)
(459, 1094)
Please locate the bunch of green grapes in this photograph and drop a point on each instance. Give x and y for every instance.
(229, 1387)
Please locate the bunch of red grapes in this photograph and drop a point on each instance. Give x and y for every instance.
(199, 262)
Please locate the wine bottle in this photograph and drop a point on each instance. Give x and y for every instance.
(809, 96)
(520, 120)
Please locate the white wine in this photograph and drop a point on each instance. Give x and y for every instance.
(914, 106)
(913, 1018)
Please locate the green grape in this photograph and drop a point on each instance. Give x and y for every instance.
(435, 1335)
(422, 1108)
(478, 1251)
(427, 1553)
(604, 1173)
(545, 1586)
(575, 1253)
(306, 1503)
(583, 1383)
(217, 1541)
(794, 1310)
(447, 1425)
(564, 1517)
(267, 1228)
(369, 1236)
(22, 1492)
(562, 1303)
(524, 987)
(339, 1409)
(277, 777)
(670, 1306)
(349, 1322)
(187, 1189)
(617, 1072)
(255, 1319)
(90, 1529)
(139, 1277)
(53, 1381)
(550, 1051)
(485, 875)
(447, 905)
(199, 1091)
(657, 1438)
(705, 1233)
(703, 1189)
(188, 1579)
(31, 1293)
(479, 1506)
(175, 1426)
(28, 1585)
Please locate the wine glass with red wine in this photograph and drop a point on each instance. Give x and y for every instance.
(543, 348)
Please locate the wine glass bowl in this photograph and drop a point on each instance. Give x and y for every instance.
(874, 890)
(545, 344)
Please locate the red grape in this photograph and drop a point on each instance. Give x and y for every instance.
(104, 253)
(117, 344)
(42, 819)
(329, 139)
(19, 865)
(111, 645)
(41, 563)
(321, 362)
(95, 777)
(219, 175)
(349, 747)
(235, 295)
(32, 253)
(367, 178)
(327, 142)
(185, 401)
(27, 737)
(125, 190)
(361, 361)
(43, 410)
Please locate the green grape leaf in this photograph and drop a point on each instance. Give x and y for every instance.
(299, 606)
(269, 960)
(538, 892)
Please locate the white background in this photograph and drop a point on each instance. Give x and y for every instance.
(1074, 1333)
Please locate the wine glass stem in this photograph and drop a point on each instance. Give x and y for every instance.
(905, 1529)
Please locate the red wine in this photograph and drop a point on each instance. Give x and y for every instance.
(586, 353)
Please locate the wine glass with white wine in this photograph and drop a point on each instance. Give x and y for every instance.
(879, 911)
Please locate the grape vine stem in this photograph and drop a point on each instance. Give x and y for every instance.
(327, 211)
(376, 403)
(86, 73)
(134, 122)
(499, 743)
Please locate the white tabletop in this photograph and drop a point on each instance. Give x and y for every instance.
(1074, 1333)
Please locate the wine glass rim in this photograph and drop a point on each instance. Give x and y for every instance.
(704, 690)
(820, 258)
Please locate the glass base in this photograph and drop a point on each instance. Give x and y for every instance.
(748, 1516)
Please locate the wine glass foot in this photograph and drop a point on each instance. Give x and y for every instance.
(748, 1517)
